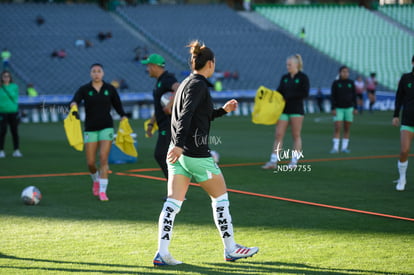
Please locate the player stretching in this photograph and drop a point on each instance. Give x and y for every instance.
(344, 106)
(404, 99)
(189, 157)
(98, 97)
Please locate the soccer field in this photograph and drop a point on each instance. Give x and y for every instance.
(292, 216)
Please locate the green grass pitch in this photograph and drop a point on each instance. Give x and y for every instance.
(71, 232)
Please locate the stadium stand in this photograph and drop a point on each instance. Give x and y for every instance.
(404, 14)
(257, 55)
(350, 34)
(31, 46)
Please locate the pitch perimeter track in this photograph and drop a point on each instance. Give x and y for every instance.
(240, 191)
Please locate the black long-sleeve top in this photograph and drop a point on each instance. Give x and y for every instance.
(191, 116)
(164, 84)
(405, 99)
(343, 94)
(98, 105)
(294, 90)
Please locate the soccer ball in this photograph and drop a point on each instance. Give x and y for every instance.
(215, 156)
(165, 98)
(31, 195)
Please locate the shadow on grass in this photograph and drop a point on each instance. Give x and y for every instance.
(240, 268)
(110, 268)
(245, 268)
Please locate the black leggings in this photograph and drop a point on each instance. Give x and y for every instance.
(11, 119)
(161, 150)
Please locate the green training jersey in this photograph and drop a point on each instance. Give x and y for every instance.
(9, 98)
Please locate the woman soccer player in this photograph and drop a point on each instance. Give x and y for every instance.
(9, 112)
(404, 99)
(294, 86)
(98, 97)
(371, 89)
(344, 106)
(189, 157)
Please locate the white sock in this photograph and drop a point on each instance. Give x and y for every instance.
(222, 219)
(402, 168)
(95, 176)
(335, 144)
(103, 184)
(345, 142)
(165, 224)
(273, 158)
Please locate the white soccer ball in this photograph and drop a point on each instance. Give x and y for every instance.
(165, 98)
(215, 156)
(31, 195)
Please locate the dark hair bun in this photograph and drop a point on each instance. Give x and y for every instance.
(200, 54)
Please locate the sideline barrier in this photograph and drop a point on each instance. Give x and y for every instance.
(54, 108)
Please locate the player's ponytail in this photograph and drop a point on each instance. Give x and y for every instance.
(200, 54)
(299, 61)
(297, 58)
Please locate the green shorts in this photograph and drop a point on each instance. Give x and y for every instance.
(287, 117)
(344, 114)
(95, 136)
(201, 169)
(407, 128)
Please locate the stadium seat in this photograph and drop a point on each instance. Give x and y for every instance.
(258, 55)
(31, 46)
(352, 35)
(404, 14)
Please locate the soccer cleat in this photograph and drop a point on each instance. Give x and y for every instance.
(103, 197)
(95, 188)
(346, 151)
(334, 151)
(165, 260)
(2, 154)
(17, 154)
(400, 184)
(269, 165)
(240, 252)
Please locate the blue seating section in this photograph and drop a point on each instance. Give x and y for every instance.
(257, 55)
(31, 46)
